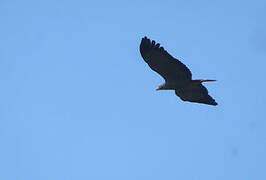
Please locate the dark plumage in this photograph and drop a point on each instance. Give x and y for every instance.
(177, 76)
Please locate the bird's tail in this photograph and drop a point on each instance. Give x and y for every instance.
(206, 80)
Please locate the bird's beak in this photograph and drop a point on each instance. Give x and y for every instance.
(158, 88)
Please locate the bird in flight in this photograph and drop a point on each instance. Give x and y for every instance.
(176, 75)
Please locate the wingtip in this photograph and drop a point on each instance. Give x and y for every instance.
(145, 37)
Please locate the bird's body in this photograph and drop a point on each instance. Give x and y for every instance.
(177, 76)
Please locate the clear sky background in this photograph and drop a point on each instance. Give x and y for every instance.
(78, 102)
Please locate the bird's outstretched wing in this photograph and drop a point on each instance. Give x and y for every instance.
(162, 62)
(196, 93)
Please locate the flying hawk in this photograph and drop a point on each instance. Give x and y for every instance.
(176, 75)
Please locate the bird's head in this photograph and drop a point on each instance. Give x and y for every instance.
(161, 87)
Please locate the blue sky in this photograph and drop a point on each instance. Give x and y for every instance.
(78, 102)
